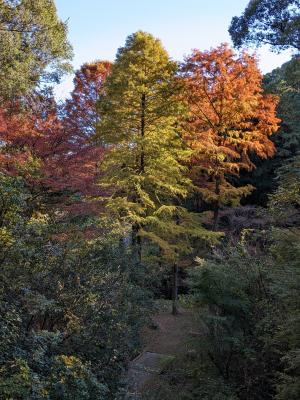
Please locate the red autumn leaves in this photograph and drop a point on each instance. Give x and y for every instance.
(229, 119)
(50, 145)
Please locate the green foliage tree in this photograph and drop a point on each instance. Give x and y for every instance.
(69, 315)
(283, 82)
(272, 22)
(247, 298)
(284, 207)
(234, 301)
(34, 46)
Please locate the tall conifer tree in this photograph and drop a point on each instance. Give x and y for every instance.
(139, 111)
(230, 120)
(143, 167)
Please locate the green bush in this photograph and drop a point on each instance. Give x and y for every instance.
(70, 310)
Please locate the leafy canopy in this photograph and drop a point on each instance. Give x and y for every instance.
(272, 22)
(34, 46)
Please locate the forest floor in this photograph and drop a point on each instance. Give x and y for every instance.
(168, 337)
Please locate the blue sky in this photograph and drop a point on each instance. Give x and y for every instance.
(98, 28)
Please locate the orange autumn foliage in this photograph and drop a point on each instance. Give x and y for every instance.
(230, 119)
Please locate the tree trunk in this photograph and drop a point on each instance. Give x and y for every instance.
(217, 204)
(136, 244)
(216, 217)
(143, 109)
(139, 248)
(122, 250)
(160, 258)
(136, 239)
(175, 290)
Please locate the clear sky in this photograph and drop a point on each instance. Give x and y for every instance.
(97, 28)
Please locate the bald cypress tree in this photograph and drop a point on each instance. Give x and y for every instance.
(139, 112)
(143, 166)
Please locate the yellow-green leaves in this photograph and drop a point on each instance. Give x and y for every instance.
(139, 114)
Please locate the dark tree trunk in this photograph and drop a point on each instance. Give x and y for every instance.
(216, 204)
(136, 239)
(160, 254)
(139, 248)
(143, 109)
(122, 250)
(136, 244)
(175, 289)
(216, 217)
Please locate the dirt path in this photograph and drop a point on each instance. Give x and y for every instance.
(167, 339)
(171, 333)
